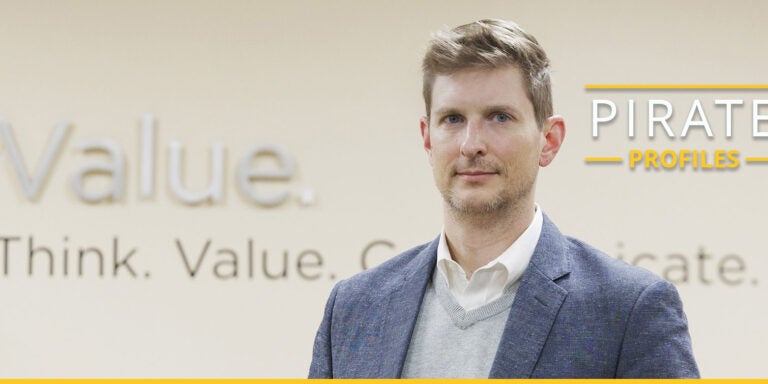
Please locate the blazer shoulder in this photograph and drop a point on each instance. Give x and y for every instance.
(635, 316)
(592, 267)
(391, 273)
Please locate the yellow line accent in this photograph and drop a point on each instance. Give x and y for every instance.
(757, 159)
(603, 159)
(380, 381)
(676, 86)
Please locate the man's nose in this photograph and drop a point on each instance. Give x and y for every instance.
(474, 142)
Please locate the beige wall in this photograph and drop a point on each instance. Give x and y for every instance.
(336, 85)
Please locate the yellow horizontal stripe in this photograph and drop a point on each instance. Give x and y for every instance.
(757, 159)
(384, 381)
(603, 159)
(676, 86)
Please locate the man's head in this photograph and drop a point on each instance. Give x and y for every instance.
(489, 44)
(489, 123)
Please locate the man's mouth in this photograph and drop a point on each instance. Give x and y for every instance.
(475, 175)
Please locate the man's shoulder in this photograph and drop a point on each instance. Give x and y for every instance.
(595, 271)
(631, 313)
(391, 273)
(578, 266)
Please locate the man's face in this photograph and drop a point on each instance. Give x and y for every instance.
(483, 142)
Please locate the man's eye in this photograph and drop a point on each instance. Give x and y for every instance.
(453, 119)
(501, 118)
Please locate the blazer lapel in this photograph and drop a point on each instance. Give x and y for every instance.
(402, 310)
(535, 308)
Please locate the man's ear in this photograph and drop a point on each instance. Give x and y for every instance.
(554, 134)
(424, 124)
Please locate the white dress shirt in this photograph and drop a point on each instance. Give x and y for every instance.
(490, 281)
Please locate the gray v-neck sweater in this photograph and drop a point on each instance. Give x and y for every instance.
(450, 342)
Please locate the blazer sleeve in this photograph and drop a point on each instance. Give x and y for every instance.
(322, 358)
(656, 341)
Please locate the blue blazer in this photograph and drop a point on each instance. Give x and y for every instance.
(577, 313)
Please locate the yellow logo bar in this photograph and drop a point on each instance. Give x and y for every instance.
(676, 86)
(381, 381)
(603, 159)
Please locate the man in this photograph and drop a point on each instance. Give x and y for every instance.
(500, 293)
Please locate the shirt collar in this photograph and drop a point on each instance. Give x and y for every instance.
(514, 259)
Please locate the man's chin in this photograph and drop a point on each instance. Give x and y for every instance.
(477, 205)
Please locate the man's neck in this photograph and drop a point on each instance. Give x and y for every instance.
(476, 240)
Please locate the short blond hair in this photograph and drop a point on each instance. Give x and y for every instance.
(490, 44)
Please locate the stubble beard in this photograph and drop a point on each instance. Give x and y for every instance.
(504, 201)
(464, 207)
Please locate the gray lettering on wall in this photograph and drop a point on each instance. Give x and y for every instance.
(258, 182)
(32, 184)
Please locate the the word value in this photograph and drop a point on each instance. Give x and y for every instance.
(248, 173)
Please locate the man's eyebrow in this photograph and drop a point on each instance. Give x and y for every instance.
(506, 108)
(502, 108)
(446, 111)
